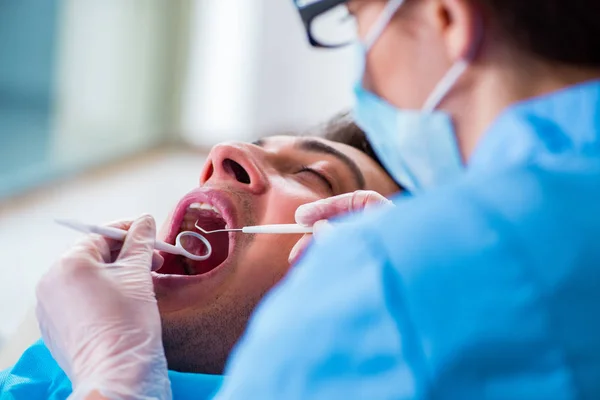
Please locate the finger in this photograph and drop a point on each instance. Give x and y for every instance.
(328, 208)
(363, 199)
(101, 248)
(320, 228)
(310, 213)
(139, 243)
(116, 245)
(91, 247)
(157, 261)
(299, 249)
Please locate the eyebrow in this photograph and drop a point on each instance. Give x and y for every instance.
(315, 146)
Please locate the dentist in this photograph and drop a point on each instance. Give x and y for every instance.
(483, 284)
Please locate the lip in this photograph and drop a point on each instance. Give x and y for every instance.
(228, 212)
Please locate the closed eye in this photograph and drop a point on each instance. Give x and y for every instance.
(322, 178)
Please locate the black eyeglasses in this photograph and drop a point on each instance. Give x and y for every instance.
(328, 23)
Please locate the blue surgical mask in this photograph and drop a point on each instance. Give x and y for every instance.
(417, 147)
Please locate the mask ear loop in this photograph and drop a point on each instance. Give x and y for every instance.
(189, 255)
(384, 19)
(458, 69)
(443, 87)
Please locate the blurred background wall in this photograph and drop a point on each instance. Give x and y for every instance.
(84, 82)
(251, 72)
(105, 103)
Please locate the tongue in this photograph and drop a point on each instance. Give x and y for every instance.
(208, 220)
(220, 250)
(194, 245)
(219, 242)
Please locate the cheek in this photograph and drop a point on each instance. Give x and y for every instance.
(266, 261)
(284, 198)
(403, 69)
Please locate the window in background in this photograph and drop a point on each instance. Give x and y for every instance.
(83, 83)
(27, 55)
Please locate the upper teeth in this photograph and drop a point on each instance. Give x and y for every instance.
(204, 206)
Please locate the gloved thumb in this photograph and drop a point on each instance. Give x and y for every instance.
(139, 243)
(319, 229)
(309, 214)
(330, 207)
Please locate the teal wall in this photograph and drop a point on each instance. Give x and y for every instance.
(27, 57)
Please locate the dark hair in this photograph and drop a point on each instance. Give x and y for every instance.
(566, 31)
(342, 129)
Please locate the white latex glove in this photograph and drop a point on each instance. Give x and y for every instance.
(98, 316)
(318, 212)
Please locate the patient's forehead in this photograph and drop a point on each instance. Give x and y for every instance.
(279, 141)
(289, 141)
(285, 142)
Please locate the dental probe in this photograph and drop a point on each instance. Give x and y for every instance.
(119, 234)
(274, 229)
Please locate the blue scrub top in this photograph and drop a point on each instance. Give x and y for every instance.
(37, 376)
(486, 288)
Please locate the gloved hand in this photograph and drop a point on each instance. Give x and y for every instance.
(98, 316)
(318, 212)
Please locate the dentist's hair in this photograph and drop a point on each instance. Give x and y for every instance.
(565, 31)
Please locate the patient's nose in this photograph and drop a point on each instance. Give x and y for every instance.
(234, 165)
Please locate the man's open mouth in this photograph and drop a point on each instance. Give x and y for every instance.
(210, 218)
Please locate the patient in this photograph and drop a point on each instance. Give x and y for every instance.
(205, 306)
